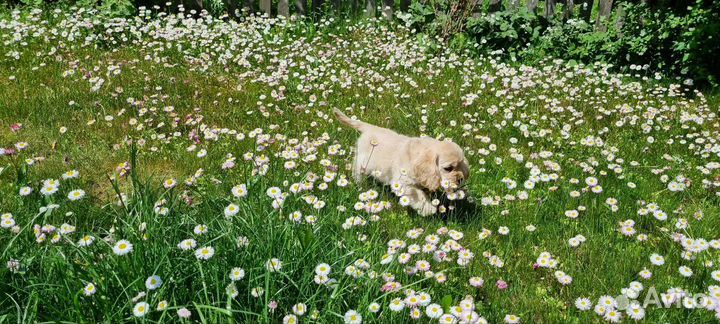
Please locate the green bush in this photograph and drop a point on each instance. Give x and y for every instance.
(665, 38)
(685, 45)
(511, 31)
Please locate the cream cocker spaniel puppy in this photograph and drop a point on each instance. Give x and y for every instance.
(420, 165)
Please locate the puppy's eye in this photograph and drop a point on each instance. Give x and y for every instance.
(448, 168)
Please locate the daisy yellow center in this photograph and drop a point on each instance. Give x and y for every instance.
(122, 246)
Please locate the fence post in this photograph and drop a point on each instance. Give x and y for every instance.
(532, 5)
(549, 8)
(283, 8)
(266, 7)
(620, 18)
(387, 8)
(370, 6)
(301, 7)
(569, 9)
(477, 9)
(604, 9)
(248, 6)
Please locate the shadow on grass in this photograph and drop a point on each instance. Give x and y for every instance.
(461, 211)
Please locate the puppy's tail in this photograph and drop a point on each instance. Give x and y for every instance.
(348, 121)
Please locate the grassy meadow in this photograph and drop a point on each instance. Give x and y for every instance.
(185, 168)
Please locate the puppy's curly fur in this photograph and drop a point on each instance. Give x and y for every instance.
(421, 165)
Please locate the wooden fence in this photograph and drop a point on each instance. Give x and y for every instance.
(388, 7)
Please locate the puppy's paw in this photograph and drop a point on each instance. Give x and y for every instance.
(426, 209)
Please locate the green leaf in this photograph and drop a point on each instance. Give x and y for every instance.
(446, 302)
(22, 174)
(306, 237)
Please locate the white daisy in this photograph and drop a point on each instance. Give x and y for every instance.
(76, 194)
(685, 271)
(583, 304)
(657, 259)
(273, 265)
(204, 253)
(141, 309)
(239, 191)
(434, 311)
(231, 210)
(89, 289)
(153, 282)
(322, 269)
(237, 274)
(187, 244)
(122, 247)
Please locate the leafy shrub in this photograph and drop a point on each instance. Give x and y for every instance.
(574, 38)
(667, 38)
(444, 18)
(511, 31)
(679, 44)
(117, 8)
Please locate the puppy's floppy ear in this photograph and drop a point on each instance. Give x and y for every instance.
(425, 168)
(465, 168)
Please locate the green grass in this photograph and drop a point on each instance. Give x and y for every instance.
(230, 79)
